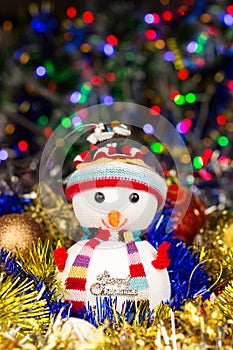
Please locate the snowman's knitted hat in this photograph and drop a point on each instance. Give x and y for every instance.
(115, 165)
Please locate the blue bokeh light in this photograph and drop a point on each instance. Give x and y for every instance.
(38, 25)
(107, 100)
(76, 120)
(149, 18)
(169, 56)
(3, 154)
(108, 49)
(228, 20)
(192, 46)
(75, 97)
(148, 129)
(41, 71)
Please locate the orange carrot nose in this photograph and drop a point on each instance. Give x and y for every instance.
(114, 218)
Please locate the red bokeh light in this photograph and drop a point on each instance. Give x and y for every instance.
(95, 80)
(23, 146)
(211, 30)
(112, 40)
(150, 34)
(88, 17)
(156, 18)
(167, 15)
(221, 119)
(204, 159)
(48, 131)
(71, 12)
(182, 10)
(230, 84)
(208, 152)
(188, 122)
(230, 9)
(223, 160)
(155, 110)
(205, 174)
(110, 76)
(174, 94)
(183, 74)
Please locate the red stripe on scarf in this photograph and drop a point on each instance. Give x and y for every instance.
(75, 283)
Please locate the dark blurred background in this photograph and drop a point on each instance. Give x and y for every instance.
(173, 57)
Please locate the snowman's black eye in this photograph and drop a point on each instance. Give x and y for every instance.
(99, 197)
(134, 198)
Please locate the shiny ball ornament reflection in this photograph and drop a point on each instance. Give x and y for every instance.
(194, 218)
(18, 230)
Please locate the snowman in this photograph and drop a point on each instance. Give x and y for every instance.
(115, 196)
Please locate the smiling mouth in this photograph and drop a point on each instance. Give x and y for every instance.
(112, 227)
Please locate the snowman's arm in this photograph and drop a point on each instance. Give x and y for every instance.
(162, 260)
(60, 256)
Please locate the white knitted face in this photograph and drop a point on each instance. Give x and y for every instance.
(115, 208)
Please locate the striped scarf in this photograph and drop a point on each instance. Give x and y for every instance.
(76, 281)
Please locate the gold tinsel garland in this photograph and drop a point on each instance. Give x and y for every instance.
(217, 255)
(21, 306)
(217, 233)
(10, 339)
(225, 300)
(39, 261)
(199, 326)
(62, 212)
(207, 325)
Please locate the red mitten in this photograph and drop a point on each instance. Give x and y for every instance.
(60, 255)
(162, 260)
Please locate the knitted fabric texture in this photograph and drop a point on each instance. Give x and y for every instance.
(77, 278)
(114, 166)
(138, 280)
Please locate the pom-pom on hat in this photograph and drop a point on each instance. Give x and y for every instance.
(115, 165)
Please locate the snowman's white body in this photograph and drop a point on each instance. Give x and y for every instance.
(111, 257)
(117, 209)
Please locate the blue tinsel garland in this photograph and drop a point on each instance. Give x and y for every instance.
(12, 267)
(13, 204)
(188, 279)
(187, 276)
(106, 309)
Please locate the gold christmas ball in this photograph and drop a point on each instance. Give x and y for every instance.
(18, 230)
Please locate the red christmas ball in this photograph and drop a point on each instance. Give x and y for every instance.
(193, 219)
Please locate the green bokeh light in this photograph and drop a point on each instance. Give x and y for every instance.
(43, 120)
(179, 100)
(66, 122)
(200, 48)
(156, 147)
(223, 141)
(190, 97)
(49, 68)
(83, 99)
(202, 38)
(197, 162)
(85, 89)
